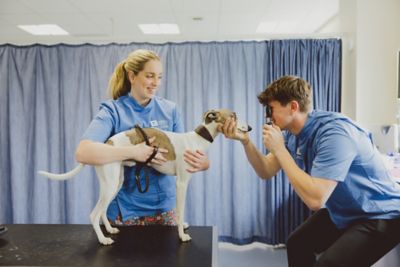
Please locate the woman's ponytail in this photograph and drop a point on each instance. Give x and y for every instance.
(119, 84)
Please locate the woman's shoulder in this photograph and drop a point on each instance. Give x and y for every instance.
(115, 103)
(164, 102)
(109, 104)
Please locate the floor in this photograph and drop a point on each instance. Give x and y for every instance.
(259, 254)
(252, 255)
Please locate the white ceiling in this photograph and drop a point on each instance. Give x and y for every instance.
(104, 21)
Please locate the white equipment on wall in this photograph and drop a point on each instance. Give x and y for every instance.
(385, 137)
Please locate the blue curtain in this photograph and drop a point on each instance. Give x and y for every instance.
(49, 94)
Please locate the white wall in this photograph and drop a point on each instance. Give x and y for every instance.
(347, 29)
(371, 41)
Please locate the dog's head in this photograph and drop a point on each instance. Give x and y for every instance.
(221, 115)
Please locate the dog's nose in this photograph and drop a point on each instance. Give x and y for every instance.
(244, 127)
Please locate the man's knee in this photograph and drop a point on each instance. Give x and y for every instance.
(326, 262)
(296, 241)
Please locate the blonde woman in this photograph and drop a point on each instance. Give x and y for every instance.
(133, 88)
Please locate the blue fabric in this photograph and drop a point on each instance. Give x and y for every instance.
(331, 146)
(122, 114)
(50, 94)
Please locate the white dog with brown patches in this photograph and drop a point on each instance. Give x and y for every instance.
(111, 175)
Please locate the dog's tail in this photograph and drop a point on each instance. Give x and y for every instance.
(63, 176)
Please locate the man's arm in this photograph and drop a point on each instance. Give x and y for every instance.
(313, 191)
(266, 166)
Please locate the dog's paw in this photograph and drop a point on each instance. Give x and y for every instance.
(113, 230)
(185, 238)
(106, 241)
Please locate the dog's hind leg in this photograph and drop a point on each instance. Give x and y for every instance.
(108, 175)
(109, 228)
(182, 180)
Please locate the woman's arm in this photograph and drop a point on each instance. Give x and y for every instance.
(94, 153)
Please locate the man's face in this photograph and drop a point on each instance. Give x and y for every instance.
(281, 115)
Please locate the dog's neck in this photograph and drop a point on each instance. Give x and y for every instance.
(207, 131)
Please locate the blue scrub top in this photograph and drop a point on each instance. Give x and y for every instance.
(331, 146)
(122, 114)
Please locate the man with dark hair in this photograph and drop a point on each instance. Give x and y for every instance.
(335, 169)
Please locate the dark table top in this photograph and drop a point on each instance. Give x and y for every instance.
(77, 245)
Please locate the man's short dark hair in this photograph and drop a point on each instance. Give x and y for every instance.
(286, 89)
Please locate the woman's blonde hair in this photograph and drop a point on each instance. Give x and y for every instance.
(119, 84)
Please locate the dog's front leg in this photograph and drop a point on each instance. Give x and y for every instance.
(182, 180)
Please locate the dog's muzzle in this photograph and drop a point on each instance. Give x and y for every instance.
(243, 127)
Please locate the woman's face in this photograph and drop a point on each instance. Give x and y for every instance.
(145, 84)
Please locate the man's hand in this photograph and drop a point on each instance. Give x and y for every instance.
(197, 160)
(273, 138)
(230, 131)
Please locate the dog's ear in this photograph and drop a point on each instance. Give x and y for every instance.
(210, 116)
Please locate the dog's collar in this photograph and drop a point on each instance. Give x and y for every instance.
(203, 132)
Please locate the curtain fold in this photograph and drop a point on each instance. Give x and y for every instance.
(51, 93)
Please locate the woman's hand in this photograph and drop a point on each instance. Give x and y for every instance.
(198, 161)
(143, 152)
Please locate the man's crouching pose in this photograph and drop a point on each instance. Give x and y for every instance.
(336, 170)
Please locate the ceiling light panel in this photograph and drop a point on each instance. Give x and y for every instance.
(44, 29)
(163, 28)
